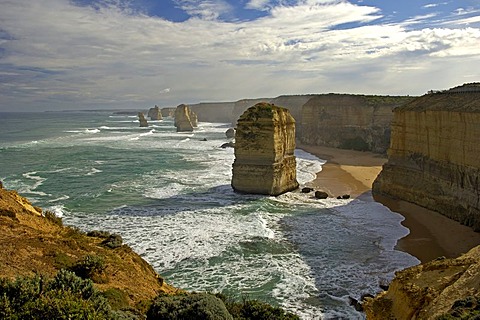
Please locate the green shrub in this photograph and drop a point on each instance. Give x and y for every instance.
(199, 306)
(66, 296)
(464, 309)
(113, 241)
(89, 266)
(52, 217)
(255, 310)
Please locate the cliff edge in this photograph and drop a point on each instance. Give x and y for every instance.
(445, 288)
(264, 151)
(434, 152)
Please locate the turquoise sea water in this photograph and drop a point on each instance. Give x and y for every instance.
(168, 194)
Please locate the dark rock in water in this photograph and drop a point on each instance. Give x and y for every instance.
(1, 185)
(228, 145)
(356, 304)
(321, 195)
(346, 196)
(230, 133)
(204, 139)
(307, 190)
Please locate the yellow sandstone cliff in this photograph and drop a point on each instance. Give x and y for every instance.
(185, 118)
(433, 160)
(427, 291)
(346, 121)
(264, 151)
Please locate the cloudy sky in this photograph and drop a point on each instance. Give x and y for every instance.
(85, 54)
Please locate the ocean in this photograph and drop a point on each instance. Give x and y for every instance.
(168, 195)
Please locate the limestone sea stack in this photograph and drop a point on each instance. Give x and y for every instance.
(185, 119)
(434, 151)
(264, 151)
(155, 113)
(168, 112)
(142, 120)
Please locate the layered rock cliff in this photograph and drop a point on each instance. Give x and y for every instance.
(241, 106)
(427, 291)
(185, 118)
(214, 111)
(155, 113)
(433, 155)
(264, 151)
(357, 122)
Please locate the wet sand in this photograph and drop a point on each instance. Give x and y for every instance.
(353, 172)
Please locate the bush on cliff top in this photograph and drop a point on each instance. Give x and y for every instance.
(66, 296)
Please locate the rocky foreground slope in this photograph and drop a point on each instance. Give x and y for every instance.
(441, 289)
(33, 244)
(433, 160)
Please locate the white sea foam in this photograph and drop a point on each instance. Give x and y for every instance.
(93, 171)
(62, 198)
(59, 210)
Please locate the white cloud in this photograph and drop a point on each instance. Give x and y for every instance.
(205, 9)
(257, 4)
(61, 55)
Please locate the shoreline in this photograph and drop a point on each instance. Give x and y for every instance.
(431, 235)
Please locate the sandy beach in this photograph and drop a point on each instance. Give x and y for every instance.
(353, 172)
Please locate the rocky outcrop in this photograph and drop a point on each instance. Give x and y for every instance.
(155, 113)
(185, 119)
(142, 120)
(433, 155)
(230, 133)
(214, 111)
(346, 121)
(241, 106)
(294, 104)
(430, 290)
(264, 151)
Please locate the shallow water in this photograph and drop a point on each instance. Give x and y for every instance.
(168, 194)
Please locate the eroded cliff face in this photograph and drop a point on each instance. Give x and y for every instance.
(433, 156)
(185, 118)
(430, 290)
(214, 111)
(241, 106)
(264, 151)
(347, 121)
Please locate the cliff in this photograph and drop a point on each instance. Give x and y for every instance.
(155, 113)
(264, 151)
(433, 155)
(294, 104)
(35, 244)
(440, 287)
(214, 111)
(358, 122)
(185, 119)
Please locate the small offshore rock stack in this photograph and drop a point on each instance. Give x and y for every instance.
(168, 112)
(433, 156)
(185, 118)
(142, 120)
(264, 151)
(155, 113)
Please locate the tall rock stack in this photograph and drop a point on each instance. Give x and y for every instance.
(183, 118)
(155, 113)
(433, 160)
(142, 120)
(264, 151)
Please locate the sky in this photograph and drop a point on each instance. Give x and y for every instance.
(103, 54)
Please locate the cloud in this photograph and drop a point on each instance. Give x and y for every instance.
(54, 54)
(257, 4)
